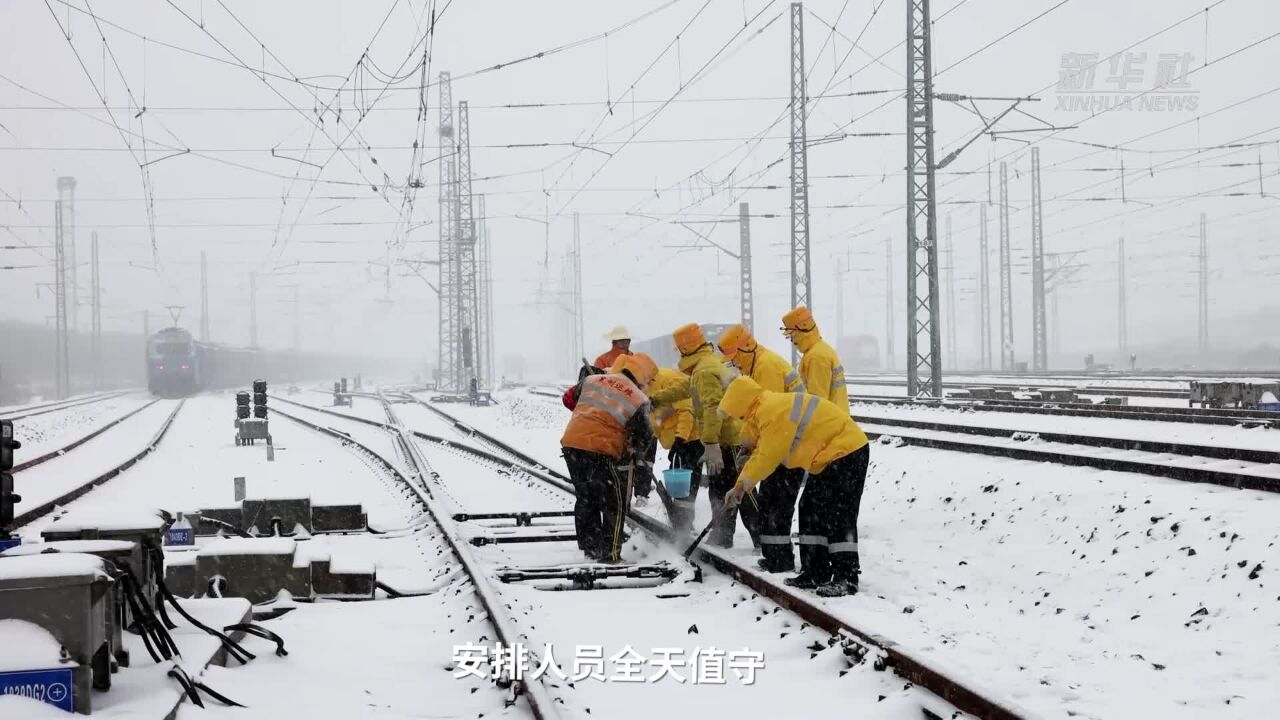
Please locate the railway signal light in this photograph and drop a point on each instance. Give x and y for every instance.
(8, 498)
(7, 445)
(260, 399)
(242, 405)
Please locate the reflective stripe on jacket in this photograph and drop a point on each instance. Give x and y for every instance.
(606, 404)
(820, 368)
(798, 431)
(708, 376)
(771, 371)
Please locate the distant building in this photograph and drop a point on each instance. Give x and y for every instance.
(859, 353)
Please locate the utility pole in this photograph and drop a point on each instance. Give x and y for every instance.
(577, 302)
(888, 304)
(747, 295)
(62, 364)
(67, 199)
(984, 292)
(204, 297)
(800, 272)
(450, 333)
(253, 309)
(839, 300)
(1039, 351)
(924, 344)
(465, 263)
(484, 310)
(1204, 291)
(950, 278)
(96, 319)
(1122, 307)
(297, 321)
(1006, 276)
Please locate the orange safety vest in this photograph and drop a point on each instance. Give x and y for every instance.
(605, 406)
(605, 361)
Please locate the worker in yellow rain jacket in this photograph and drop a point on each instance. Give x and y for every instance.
(708, 375)
(609, 428)
(820, 368)
(809, 433)
(776, 499)
(674, 427)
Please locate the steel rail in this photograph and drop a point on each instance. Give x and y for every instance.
(1204, 416)
(29, 516)
(77, 443)
(540, 702)
(1216, 452)
(41, 409)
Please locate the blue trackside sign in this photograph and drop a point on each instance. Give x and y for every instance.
(52, 687)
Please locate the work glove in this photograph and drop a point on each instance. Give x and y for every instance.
(734, 496)
(713, 458)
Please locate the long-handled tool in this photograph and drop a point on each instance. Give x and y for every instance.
(698, 540)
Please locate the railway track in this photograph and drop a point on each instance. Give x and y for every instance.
(1204, 416)
(41, 409)
(59, 452)
(1172, 393)
(31, 515)
(1253, 469)
(868, 643)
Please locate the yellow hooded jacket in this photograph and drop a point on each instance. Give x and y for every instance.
(672, 422)
(820, 368)
(708, 376)
(794, 430)
(769, 369)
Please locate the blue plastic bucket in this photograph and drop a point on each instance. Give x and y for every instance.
(677, 482)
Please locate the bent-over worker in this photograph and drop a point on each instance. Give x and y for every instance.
(809, 433)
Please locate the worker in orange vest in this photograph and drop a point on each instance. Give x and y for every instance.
(620, 338)
(608, 430)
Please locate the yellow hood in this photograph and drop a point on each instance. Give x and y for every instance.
(741, 398)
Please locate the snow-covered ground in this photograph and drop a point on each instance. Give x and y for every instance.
(42, 433)
(48, 480)
(1080, 593)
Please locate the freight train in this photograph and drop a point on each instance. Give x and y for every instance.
(663, 349)
(179, 365)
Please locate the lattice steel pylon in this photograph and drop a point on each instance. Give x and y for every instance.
(924, 342)
(984, 292)
(465, 261)
(450, 333)
(576, 301)
(1202, 339)
(1039, 334)
(484, 311)
(62, 359)
(1006, 275)
(67, 198)
(800, 271)
(745, 287)
(950, 277)
(95, 318)
(1122, 306)
(888, 304)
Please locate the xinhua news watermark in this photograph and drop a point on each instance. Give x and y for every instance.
(1087, 82)
(699, 666)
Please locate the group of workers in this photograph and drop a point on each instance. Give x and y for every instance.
(766, 434)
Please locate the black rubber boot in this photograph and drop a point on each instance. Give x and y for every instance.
(803, 581)
(838, 588)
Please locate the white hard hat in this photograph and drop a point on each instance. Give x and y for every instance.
(618, 333)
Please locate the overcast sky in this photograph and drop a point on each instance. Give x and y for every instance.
(678, 113)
